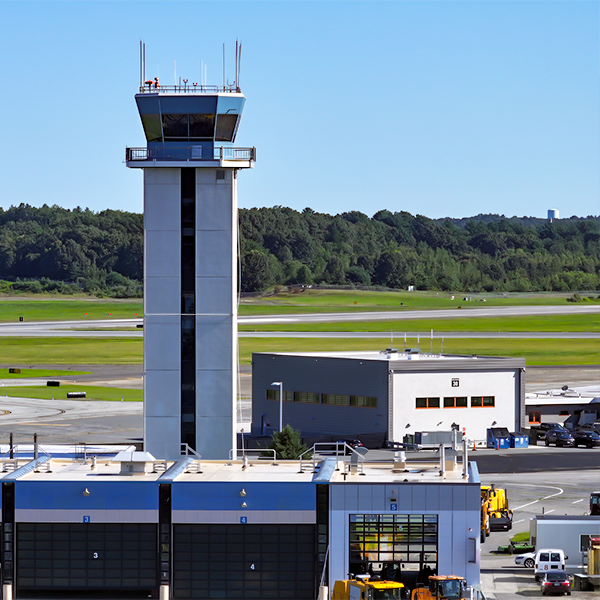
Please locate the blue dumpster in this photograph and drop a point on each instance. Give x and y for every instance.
(518, 439)
(498, 437)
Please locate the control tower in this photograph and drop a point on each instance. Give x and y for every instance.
(190, 169)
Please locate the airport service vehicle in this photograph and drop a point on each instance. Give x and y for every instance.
(556, 582)
(485, 515)
(595, 503)
(362, 588)
(442, 587)
(586, 437)
(548, 560)
(527, 559)
(500, 516)
(560, 437)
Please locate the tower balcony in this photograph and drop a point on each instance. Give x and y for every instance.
(182, 156)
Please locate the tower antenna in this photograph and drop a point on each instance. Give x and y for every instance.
(223, 65)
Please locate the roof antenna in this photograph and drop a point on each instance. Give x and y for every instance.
(223, 65)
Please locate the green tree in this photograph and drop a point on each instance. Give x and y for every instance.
(287, 444)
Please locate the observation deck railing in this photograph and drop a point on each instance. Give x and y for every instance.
(189, 88)
(190, 153)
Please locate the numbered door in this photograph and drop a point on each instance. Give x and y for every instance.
(75, 556)
(236, 562)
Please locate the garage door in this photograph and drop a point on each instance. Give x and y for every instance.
(64, 556)
(259, 562)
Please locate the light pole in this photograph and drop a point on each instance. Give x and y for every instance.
(280, 384)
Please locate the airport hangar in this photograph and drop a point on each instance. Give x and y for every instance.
(241, 529)
(387, 395)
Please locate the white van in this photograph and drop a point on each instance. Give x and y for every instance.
(548, 559)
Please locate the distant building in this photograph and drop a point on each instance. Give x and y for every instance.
(387, 395)
(553, 214)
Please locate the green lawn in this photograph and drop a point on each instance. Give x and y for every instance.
(60, 393)
(130, 351)
(349, 301)
(28, 372)
(63, 308)
(551, 323)
(537, 352)
(66, 308)
(71, 351)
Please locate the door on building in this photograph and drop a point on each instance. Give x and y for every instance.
(260, 562)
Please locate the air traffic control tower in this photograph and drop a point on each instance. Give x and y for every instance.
(190, 169)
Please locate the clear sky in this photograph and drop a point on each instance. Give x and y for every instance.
(438, 108)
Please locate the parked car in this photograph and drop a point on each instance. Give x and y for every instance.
(586, 437)
(353, 443)
(527, 559)
(560, 437)
(540, 429)
(555, 582)
(591, 426)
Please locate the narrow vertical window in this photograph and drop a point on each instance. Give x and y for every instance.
(188, 307)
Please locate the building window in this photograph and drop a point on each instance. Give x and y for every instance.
(308, 397)
(455, 402)
(368, 401)
(428, 403)
(483, 401)
(274, 395)
(335, 399)
(394, 542)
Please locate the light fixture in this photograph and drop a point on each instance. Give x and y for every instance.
(439, 423)
(407, 425)
(493, 423)
(86, 492)
(393, 498)
(280, 384)
(244, 505)
(243, 492)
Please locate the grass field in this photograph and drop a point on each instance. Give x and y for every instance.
(71, 351)
(67, 308)
(93, 392)
(28, 372)
(120, 351)
(51, 308)
(551, 323)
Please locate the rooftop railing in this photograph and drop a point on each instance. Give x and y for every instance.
(189, 88)
(190, 153)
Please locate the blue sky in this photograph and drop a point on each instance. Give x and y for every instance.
(437, 108)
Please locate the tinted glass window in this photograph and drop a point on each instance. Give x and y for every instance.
(544, 556)
(202, 126)
(555, 556)
(175, 126)
(225, 127)
(152, 129)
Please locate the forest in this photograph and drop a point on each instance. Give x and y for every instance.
(54, 249)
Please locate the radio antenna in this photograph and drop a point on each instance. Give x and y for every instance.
(223, 65)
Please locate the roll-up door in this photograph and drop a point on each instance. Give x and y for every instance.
(236, 562)
(75, 556)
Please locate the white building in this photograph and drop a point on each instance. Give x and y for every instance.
(387, 395)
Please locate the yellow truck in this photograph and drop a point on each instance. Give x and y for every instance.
(499, 514)
(362, 588)
(442, 587)
(485, 515)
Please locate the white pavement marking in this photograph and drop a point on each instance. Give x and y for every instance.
(560, 491)
(547, 512)
(577, 501)
(519, 521)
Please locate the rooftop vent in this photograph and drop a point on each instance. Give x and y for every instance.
(133, 463)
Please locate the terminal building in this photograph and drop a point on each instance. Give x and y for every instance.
(387, 395)
(249, 528)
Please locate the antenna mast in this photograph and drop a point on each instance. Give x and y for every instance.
(223, 65)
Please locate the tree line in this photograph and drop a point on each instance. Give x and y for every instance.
(56, 249)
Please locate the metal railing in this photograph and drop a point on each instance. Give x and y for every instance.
(190, 153)
(256, 453)
(189, 88)
(189, 451)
